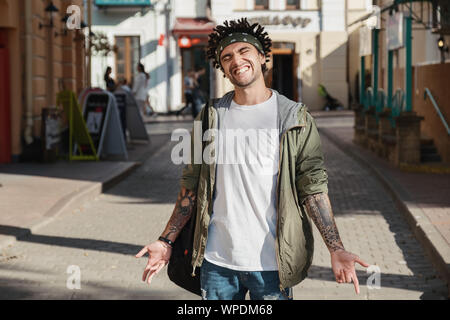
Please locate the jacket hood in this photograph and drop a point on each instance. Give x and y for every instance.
(290, 113)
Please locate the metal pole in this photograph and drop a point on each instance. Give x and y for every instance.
(390, 77)
(89, 62)
(408, 66)
(375, 65)
(362, 80)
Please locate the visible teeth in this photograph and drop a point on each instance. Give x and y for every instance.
(242, 70)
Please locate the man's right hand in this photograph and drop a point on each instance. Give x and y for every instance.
(158, 256)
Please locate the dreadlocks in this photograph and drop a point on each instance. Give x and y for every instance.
(240, 26)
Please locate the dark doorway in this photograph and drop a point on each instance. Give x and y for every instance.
(195, 58)
(283, 73)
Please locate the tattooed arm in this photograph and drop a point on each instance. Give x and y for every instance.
(181, 214)
(159, 252)
(318, 207)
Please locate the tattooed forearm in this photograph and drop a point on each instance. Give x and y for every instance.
(318, 207)
(181, 214)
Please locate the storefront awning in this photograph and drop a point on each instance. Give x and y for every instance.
(192, 27)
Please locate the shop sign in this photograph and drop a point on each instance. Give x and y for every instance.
(365, 41)
(394, 34)
(187, 42)
(286, 21)
(122, 3)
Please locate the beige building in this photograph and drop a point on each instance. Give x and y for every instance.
(42, 56)
(430, 66)
(309, 44)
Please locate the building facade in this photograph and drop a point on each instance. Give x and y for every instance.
(309, 44)
(139, 31)
(38, 56)
(406, 73)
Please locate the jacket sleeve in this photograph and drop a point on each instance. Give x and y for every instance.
(311, 175)
(191, 171)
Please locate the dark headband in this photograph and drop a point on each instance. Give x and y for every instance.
(237, 37)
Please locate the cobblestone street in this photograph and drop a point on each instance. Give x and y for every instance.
(102, 237)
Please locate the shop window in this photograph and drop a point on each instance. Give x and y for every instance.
(261, 4)
(128, 55)
(292, 4)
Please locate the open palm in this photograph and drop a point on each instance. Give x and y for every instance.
(158, 257)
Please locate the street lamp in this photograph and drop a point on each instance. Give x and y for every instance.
(442, 47)
(64, 28)
(51, 10)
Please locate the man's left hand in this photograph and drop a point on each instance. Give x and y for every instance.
(343, 265)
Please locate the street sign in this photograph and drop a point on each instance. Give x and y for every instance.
(103, 122)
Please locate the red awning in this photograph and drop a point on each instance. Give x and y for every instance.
(192, 27)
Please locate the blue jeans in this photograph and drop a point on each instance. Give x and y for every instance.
(219, 283)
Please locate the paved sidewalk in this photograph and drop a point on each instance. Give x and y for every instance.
(32, 194)
(423, 198)
(102, 236)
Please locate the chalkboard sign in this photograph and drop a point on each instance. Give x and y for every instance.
(78, 132)
(133, 119)
(121, 100)
(104, 125)
(95, 109)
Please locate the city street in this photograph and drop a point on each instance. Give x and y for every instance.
(98, 240)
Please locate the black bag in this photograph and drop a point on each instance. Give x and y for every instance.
(180, 268)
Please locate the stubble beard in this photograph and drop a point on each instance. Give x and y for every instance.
(243, 84)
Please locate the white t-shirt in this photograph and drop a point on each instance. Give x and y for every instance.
(242, 229)
(140, 87)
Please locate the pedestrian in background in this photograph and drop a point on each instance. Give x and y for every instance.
(198, 96)
(139, 91)
(189, 86)
(123, 83)
(110, 83)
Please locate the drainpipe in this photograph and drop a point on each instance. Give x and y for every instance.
(167, 12)
(89, 63)
(28, 133)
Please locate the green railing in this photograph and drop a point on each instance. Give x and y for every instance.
(398, 105)
(436, 107)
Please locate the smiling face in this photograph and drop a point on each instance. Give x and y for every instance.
(241, 63)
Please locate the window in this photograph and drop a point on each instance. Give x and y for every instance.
(127, 57)
(292, 4)
(261, 4)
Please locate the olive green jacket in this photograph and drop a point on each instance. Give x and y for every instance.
(301, 173)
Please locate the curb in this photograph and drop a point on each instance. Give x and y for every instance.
(71, 202)
(432, 242)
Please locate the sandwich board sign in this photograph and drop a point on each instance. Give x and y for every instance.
(103, 123)
(78, 131)
(121, 100)
(134, 122)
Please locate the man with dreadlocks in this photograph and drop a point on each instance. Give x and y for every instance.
(253, 231)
